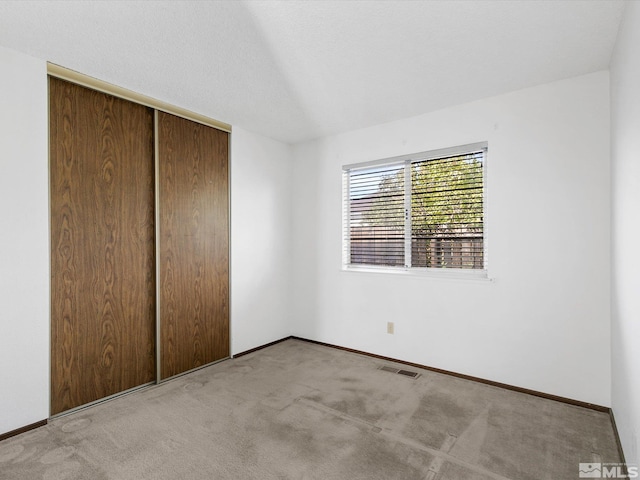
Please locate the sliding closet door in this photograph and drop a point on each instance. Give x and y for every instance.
(194, 244)
(102, 245)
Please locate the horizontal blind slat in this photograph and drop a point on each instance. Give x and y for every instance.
(447, 212)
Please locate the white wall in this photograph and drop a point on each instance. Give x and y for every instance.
(24, 242)
(261, 240)
(543, 323)
(625, 220)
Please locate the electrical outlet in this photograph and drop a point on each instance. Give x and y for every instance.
(390, 327)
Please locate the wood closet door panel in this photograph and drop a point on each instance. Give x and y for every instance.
(194, 244)
(102, 245)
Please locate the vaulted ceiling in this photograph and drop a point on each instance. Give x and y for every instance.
(297, 70)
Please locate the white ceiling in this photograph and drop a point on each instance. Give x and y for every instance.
(297, 70)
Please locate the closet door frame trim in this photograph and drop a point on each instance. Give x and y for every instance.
(105, 87)
(156, 233)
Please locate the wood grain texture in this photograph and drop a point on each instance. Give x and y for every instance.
(102, 245)
(194, 244)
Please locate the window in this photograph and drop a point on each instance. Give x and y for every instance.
(418, 211)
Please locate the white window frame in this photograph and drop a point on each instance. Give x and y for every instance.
(454, 273)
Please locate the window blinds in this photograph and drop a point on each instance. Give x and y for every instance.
(426, 211)
(377, 214)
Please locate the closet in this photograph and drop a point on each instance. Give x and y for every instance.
(139, 244)
(194, 244)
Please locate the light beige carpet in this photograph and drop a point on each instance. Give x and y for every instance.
(297, 410)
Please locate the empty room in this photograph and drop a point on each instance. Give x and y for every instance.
(319, 239)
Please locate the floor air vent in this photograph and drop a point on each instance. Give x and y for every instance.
(406, 373)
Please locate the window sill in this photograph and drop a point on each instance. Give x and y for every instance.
(450, 274)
